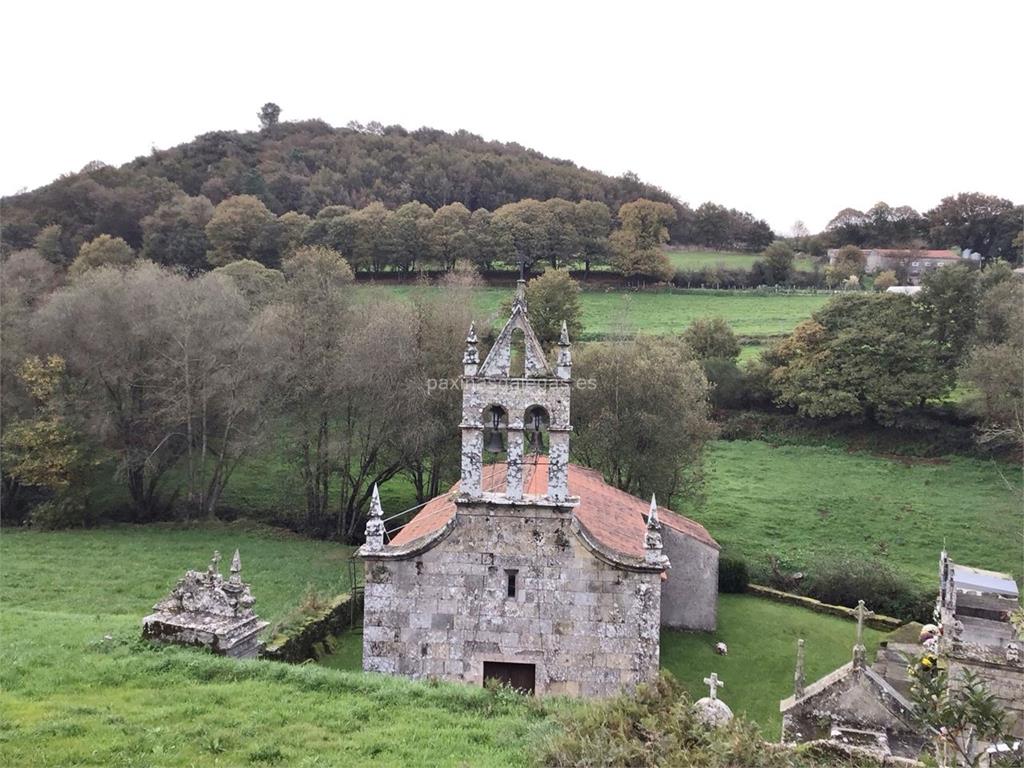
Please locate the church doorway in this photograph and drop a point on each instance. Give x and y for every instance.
(522, 677)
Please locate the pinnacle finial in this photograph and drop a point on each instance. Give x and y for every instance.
(375, 523)
(471, 336)
(563, 337)
(520, 293)
(236, 570)
(652, 517)
(375, 508)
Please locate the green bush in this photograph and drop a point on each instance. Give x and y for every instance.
(657, 726)
(728, 384)
(844, 580)
(733, 576)
(63, 511)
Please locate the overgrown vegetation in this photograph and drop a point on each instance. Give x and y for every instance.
(657, 727)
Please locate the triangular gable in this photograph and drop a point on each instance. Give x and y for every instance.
(499, 359)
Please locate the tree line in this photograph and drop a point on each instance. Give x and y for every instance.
(193, 235)
(165, 384)
(990, 225)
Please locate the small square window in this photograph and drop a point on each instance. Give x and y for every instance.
(510, 583)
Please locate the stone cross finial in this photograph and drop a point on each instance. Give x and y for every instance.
(859, 651)
(713, 684)
(799, 679)
(861, 613)
(375, 523)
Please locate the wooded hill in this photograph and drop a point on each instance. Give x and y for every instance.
(304, 167)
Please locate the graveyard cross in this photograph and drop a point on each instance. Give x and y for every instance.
(862, 613)
(714, 684)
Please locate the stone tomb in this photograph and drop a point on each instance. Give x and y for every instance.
(206, 610)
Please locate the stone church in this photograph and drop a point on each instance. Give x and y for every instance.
(531, 571)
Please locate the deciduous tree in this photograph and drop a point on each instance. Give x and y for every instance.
(103, 251)
(242, 227)
(644, 422)
(866, 355)
(636, 245)
(712, 338)
(174, 235)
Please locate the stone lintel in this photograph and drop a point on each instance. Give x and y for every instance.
(524, 502)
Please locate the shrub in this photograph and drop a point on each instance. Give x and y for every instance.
(845, 580)
(727, 383)
(66, 510)
(733, 576)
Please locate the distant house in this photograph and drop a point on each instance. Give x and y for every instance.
(905, 290)
(916, 262)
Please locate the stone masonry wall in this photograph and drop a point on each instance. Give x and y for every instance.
(689, 597)
(589, 627)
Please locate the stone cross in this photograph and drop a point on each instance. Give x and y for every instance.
(713, 684)
(859, 652)
(799, 679)
(861, 613)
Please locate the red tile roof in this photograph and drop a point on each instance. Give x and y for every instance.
(615, 518)
(917, 254)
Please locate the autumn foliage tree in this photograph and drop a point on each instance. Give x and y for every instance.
(636, 245)
(47, 450)
(864, 356)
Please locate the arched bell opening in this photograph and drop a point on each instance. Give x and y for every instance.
(495, 445)
(536, 444)
(535, 430)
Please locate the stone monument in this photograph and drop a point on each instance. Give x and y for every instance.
(206, 610)
(711, 710)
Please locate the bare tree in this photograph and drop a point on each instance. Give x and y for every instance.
(105, 326)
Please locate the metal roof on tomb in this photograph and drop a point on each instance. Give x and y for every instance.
(985, 582)
(615, 518)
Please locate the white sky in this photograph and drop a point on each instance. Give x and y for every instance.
(790, 110)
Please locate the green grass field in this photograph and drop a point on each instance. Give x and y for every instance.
(70, 697)
(685, 258)
(799, 502)
(78, 686)
(616, 312)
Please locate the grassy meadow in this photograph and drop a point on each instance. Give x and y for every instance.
(796, 502)
(690, 259)
(800, 501)
(78, 686)
(616, 312)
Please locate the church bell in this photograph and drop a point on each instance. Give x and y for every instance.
(495, 443)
